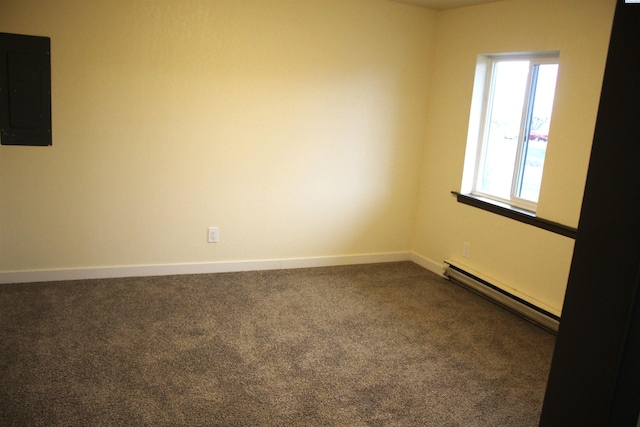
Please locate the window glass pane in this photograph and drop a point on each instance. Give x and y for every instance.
(540, 117)
(504, 119)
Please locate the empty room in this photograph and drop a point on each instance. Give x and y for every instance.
(282, 212)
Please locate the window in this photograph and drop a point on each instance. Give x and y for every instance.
(509, 127)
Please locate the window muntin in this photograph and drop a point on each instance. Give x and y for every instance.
(518, 94)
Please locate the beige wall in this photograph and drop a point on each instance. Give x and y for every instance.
(534, 262)
(294, 126)
(300, 128)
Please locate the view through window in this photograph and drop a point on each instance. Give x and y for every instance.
(518, 95)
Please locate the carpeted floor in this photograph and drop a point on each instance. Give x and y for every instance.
(369, 345)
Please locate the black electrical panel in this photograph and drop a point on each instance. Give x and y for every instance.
(25, 90)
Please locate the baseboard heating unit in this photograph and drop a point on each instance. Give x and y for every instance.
(501, 297)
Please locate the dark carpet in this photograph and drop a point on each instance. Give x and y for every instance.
(368, 345)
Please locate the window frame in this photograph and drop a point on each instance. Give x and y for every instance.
(483, 96)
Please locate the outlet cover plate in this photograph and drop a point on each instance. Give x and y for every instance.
(213, 235)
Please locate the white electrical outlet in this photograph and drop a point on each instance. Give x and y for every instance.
(213, 235)
(466, 250)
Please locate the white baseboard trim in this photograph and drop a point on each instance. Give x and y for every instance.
(430, 265)
(54, 275)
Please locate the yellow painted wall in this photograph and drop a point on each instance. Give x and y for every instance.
(302, 128)
(532, 261)
(294, 126)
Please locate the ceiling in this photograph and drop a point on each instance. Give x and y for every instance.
(444, 4)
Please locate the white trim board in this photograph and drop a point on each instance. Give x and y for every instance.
(428, 264)
(29, 276)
